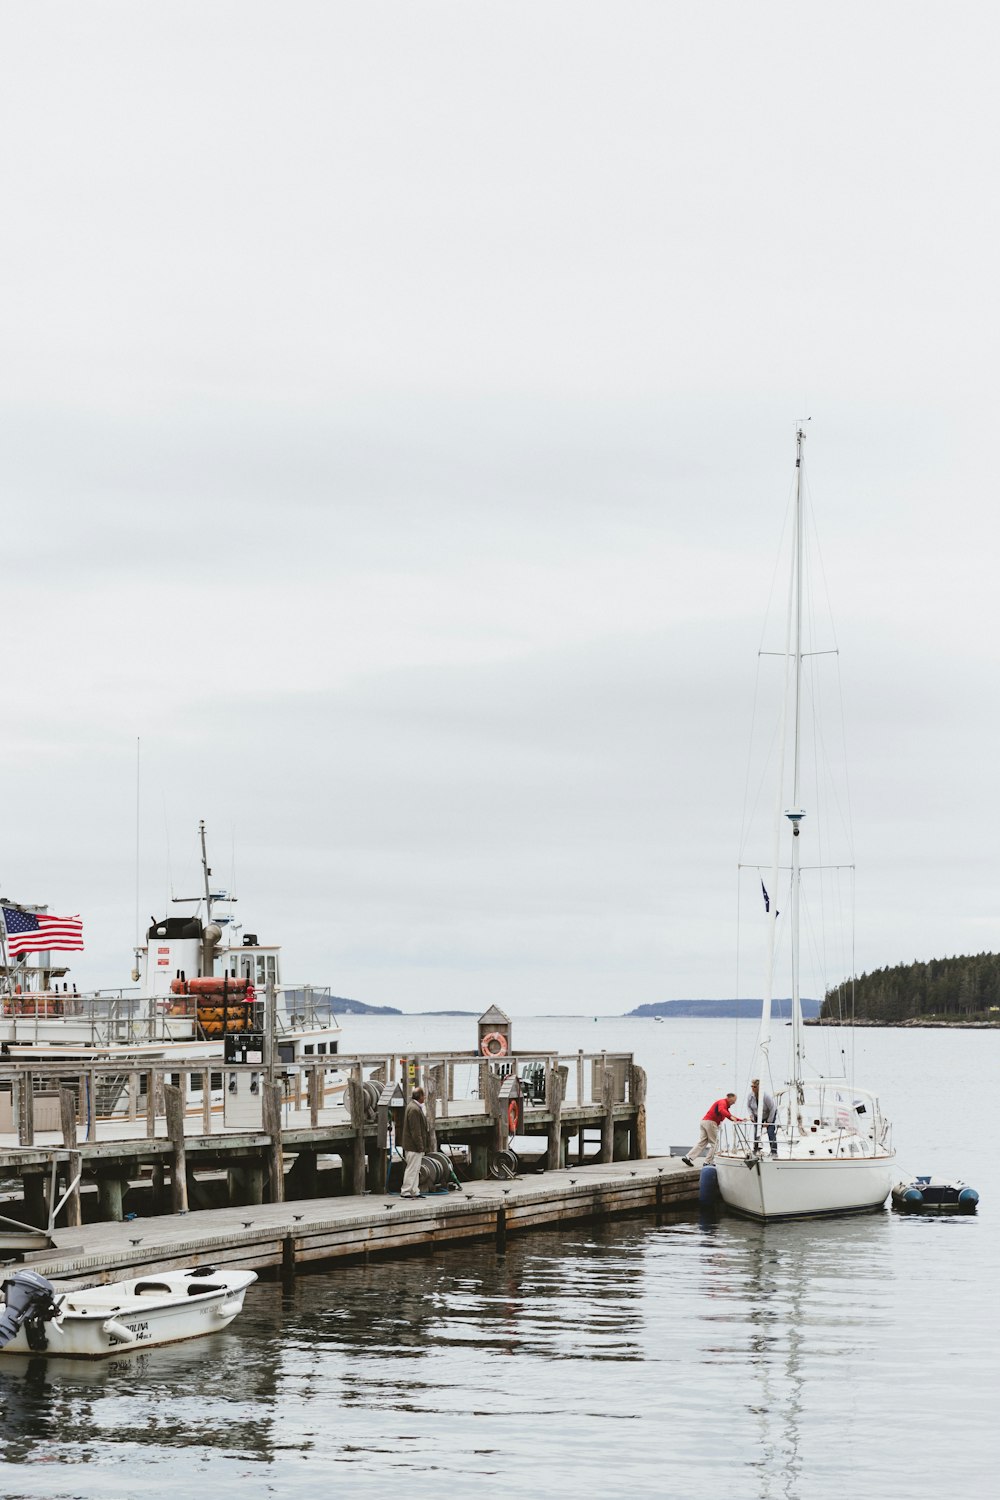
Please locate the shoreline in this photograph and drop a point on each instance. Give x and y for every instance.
(927, 1024)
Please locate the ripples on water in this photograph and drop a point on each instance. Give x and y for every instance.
(852, 1358)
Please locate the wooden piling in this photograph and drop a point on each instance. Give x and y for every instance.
(67, 1111)
(356, 1110)
(174, 1104)
(272, 1100)
(608, 1117)
(637, 1094)
(555, 1090)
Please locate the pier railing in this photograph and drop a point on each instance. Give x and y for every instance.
(111, 1100)
(123, 1119)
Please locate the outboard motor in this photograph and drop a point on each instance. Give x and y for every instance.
(29, 1303)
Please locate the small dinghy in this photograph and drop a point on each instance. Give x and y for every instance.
(937, 1193)
(95, 1321)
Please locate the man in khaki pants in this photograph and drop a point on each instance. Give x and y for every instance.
(416, 1139)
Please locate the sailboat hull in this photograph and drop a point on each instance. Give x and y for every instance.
(798, 1188)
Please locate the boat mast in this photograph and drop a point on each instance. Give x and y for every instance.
(795, 813)
(206, 872)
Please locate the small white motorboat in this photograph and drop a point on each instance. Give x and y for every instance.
(95, 1321)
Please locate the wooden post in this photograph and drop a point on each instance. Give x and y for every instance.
(494, 1114)
(206, 1102)
(150, 1104)
(316, 1081)
(608, 1119)
(579, 1076)
(174, 1104)
(435, 1089)
(92, 1105)
(480, 1158)
(67, 1110)
(110, 1196)
(272, 1127)
(637, 1093)
(449, 1092)
(555, 1088)
(133, 1095)
(36, 1206)
(356, 1109)
(26, 1121)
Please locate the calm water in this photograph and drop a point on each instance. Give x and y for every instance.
(819, 1360)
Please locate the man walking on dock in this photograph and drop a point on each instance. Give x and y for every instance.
(416, 1139)
(708, 1139)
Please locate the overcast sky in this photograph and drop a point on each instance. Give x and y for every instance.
(398, 410)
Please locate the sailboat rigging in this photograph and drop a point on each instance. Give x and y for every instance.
(829, 1148)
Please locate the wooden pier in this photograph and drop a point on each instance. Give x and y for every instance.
(283, 1236)
(165, 1147)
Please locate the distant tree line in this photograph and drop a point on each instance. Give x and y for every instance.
(944, 988)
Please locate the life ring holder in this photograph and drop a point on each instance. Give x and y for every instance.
(493, 1044)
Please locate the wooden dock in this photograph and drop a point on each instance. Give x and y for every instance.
(283, 1236)
(170, 1151)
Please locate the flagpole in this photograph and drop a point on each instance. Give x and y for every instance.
(8, 976)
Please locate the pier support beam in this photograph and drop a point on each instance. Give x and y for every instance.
(246, 1184)
(555, 1092)
(275, 1155)
(36, 1202)
(67, 1111)
(608, 1120)
(110, 1193)
(637, 1094)
(356, 1110)
(174, 1104)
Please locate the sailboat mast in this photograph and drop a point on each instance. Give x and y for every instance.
(795, 814)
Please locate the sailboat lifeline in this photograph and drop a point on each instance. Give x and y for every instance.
(831, 1151)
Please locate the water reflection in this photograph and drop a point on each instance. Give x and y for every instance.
(664, 1359)
(793, 1310)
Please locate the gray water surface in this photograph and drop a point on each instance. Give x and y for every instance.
(855, 1357)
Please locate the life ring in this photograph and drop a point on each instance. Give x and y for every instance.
(493, 1044)
(513, 1115)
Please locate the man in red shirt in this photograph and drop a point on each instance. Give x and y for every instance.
(708, 1139)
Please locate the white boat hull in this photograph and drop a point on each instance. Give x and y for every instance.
(804, 1188)
(147, 1311)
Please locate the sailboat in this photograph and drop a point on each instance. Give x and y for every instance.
(829, 1148)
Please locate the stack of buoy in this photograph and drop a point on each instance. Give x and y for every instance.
(223, 1005)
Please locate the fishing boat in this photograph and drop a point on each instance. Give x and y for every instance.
(202, 984)
(96, 1321)
(828, 1149)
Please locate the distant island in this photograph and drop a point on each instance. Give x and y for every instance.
(961, 991)
(341, 1006)
(674, 1009)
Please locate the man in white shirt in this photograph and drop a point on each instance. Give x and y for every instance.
(768, 1112)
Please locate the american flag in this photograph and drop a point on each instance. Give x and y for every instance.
(36, 932)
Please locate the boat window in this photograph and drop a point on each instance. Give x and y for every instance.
(309, 1049)
(216, 1081)
(333, 1046)
(272, 968)
(286, 1052)
(175, 1079)
(321, 1047)
(261, 970)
